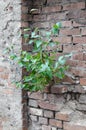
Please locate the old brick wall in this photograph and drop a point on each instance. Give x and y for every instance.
(63, 107)
(10, 97)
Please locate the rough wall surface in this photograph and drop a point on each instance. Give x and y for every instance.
(10, 97)
(63, 107)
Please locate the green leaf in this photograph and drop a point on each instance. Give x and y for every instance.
(48, 34)
(31, 41)
(27, 29)
(52, 44)
(32, 34)
(14, 57)
(59, 25)
(26, 36)
(62, 60)
(59, 75)
(38, 43)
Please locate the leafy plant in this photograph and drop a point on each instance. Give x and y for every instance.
(41, 64)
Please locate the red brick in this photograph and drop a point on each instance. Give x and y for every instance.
(4, 76)
(79, 89)
(39, 18)
(63, 40)
(51, 9)
(72, 63)
(55, 123)
(72, 48)
(79, 71)
(78, 5)
(77, 24)
(83, 31)
(59, 89)
(42, 25)
(73, 126)
(26, 47)
(24, 24)
(63, 115)
(25, 17)
(66, 23)
(24, 9)
(83, 81)
(45, 127)
(48, 106)
(84, 56)
(68, 80)
(43, 120)
(56, 16)
(81, 64)
(78, 56)
(81, 40)
(69, 32)
(35, 95)
(76, 15)
(51, 2)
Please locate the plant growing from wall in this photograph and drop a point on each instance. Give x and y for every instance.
(41, 64)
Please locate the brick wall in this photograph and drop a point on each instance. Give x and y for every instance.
(63, 106)
(10, 97)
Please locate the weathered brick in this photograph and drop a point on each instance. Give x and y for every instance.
(66, 24)
(43, 120)
(73, 126)
(68, 79)
(72, 6)
(45, 127)
(78, 56)
(63, 115)
(77, 71)
(33, 118)
(25, 17)
(77, 24)
(35, 111)
(70, 47)
(81, 40)
(24, 24)
(48, 106)
(79, 89)
(51, 9)
(69, 32)
(63, 40)
(83, 31)
(39, 18)
(84, 56)
(4, 76)
(48, 114)
(76, 14)
(59, 89)
(57, 16)
(35, 95)
(55, 123)
(33, 103)
(24, 9)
